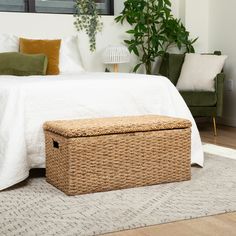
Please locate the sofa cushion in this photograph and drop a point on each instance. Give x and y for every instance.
(203, 111)
(171, 66)
(199, 99)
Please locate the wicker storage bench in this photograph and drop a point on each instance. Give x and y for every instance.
(93, 155)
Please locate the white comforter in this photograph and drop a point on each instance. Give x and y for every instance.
(27, 102)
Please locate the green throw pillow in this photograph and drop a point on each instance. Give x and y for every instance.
(14, 63)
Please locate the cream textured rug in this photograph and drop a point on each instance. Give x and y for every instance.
(37, 208)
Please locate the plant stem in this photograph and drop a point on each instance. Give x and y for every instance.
(148, 67)
(167, 46)
(148, 63)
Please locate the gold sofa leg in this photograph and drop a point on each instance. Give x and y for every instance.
(214, 124)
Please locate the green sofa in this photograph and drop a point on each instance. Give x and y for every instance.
(201, 104)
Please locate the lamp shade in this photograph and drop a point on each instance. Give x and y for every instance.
(116, 55)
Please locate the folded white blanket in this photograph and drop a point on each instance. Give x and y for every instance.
(27, 102)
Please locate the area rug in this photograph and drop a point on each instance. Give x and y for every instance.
(37, 208)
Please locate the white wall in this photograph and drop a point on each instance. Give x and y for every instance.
(197, 22)
(177, 7)
(58, 26)
(118, 6)
(222, 36)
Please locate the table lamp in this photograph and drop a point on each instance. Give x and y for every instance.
(116, 55)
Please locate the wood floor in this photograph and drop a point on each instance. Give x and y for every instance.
(226, 135)
(219, 225)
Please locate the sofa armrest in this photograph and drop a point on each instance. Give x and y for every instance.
(219, 87)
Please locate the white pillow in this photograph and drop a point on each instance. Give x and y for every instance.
(199, 71)
(70, 60)
(9, 43)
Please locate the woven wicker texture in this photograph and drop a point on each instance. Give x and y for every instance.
(108, 162)
(114, 125)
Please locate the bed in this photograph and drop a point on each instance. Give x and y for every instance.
(27, 102)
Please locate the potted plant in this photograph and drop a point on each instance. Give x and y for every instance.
(154, 30)
(88, 19)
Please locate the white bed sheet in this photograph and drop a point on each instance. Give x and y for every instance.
(27, 102)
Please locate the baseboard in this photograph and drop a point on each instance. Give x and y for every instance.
(228, 121)
(219, 150)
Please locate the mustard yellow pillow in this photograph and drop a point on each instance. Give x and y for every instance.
(51, 48)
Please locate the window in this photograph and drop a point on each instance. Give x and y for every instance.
(54, 6)
(13, 5)
(105, 7)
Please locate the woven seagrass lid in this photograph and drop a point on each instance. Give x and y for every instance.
(114, 125)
